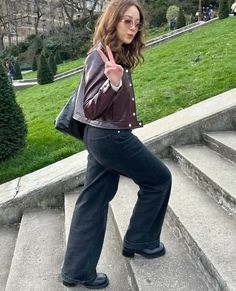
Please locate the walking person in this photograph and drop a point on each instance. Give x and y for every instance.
(108, 110)
(10, 70)
(233, 8)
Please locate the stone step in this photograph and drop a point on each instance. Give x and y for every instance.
(111, 261)
(38, 252)
(174, 271)
(209, 233)
(8, 236)
(213, 172)
(223, 142)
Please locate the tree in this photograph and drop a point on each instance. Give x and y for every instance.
(44, 74)
(34, 64)
(52, 64)
(172, 12)
(224, 9)
(11, 13)
(181, 21)
(17, 73)
(12, 123)
(38, 12)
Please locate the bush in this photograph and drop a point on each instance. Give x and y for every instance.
(172, 12)
(58, 59)
(34, 64)
(181, 21)
(44, 74)
(224, 9)
(157, 16)
(52, 64)
(12, 122)
(17, 73)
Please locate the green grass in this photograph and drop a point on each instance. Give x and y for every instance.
(168, 81)
(61, 68)
(157, 31)
(69, 65)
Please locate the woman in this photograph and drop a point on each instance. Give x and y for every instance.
(108, 110)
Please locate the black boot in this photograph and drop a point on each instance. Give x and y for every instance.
(101, 281)
(147, 253)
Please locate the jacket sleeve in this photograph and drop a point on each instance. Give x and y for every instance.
(98, 94)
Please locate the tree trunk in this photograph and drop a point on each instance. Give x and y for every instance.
(1, 42)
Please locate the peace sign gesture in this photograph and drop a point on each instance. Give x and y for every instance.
(112, 71)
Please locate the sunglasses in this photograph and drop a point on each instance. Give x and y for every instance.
(130, 23)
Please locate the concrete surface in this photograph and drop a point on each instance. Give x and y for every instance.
(44, 187)
(175, 270)
(8, 236)
(38, 252)
(213, 172)
(111, 261)
(224, 142)
(210, 233)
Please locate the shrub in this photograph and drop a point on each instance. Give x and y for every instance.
(223, 9)
(44, 74)
(34, 64)
(17, 73)
(181, 21)
(172, 12)
(12, 123)
(52, 64)
(58, 59)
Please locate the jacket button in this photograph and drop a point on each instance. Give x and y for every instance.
(130, 85)
(118, 131)
(127, 71)
(140, 123)
(130, 125)
(132, 99)
(134, 114)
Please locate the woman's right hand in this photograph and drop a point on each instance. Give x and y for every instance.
(112, 71)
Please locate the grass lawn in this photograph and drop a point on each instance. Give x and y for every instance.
(61, 68)
(168, 81)
(69, 65)
(157, 31)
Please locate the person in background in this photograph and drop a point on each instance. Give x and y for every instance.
(10, 70)
(106, 105)
(172, 24)
(233, 8)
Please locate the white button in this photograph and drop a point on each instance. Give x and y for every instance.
(130, 85)
(132, 99)
(130, 125)
(127, 71)
(140, 123)
(134, 114)
(118, 131)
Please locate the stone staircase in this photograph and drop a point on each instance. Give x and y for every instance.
(198, 144)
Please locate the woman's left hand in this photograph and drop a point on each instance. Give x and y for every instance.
(112, 71)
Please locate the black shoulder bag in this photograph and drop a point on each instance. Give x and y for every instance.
(65, 122)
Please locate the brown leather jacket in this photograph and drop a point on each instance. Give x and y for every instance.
(98, 104)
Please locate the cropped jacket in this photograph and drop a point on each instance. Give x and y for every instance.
(98, 104)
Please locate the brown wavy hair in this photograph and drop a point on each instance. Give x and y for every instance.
(105, 33)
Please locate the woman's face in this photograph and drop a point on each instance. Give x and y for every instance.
(128, 26)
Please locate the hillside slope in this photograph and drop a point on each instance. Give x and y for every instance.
(172, 77)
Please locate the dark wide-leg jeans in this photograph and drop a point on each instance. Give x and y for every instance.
(113, 153)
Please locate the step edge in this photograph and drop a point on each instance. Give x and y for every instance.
(134, 282)
(220, 195)
(211, 274)
(218, 146)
